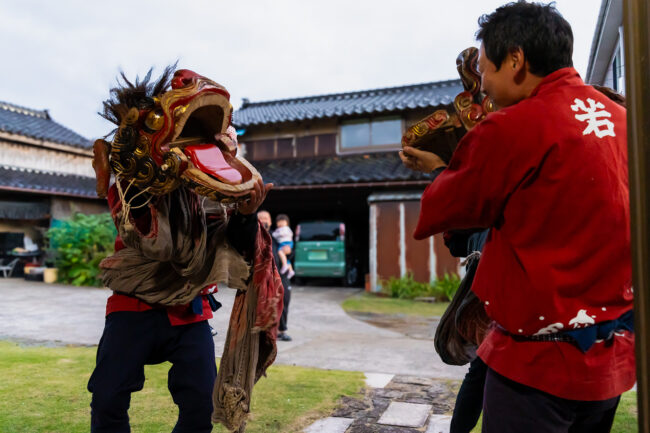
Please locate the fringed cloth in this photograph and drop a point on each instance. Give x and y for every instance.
(251, 340)
(179, 254)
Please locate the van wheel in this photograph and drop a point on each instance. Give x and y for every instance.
(298, 281)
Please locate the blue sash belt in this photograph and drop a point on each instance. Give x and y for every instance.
(583, 338)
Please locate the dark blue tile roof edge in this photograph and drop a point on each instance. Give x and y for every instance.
(79, 141)
(357, 93)
(45, 182)
(394, 99)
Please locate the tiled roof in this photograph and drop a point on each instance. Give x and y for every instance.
(348, 104)
(46, 182)
(38, 124)
(357, 168)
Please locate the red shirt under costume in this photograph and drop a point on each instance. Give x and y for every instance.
(549, 176)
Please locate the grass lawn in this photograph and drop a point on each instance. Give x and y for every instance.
(368, 303)
(626, 414)
(44, 390)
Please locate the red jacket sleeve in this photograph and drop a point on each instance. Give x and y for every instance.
(490, 162)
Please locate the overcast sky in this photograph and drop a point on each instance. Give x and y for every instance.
(64, 55)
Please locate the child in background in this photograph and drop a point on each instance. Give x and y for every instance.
(284, 237)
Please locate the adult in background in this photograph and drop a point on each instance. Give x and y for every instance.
(264, 218)
(547, 173)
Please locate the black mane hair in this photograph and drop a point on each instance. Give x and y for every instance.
(140, 94)
(539, 30)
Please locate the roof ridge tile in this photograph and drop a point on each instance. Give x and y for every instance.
(43, 114)
(361, 102)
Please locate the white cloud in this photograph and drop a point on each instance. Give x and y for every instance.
(65, 55)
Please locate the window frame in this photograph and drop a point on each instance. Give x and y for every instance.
(369, 147)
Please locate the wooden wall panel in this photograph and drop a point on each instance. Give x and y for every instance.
(306, 146)
(388, 240)
(261, 149)
(445, 262)
(417, 252)
(284, 148)
(250, 150)
(327, 144)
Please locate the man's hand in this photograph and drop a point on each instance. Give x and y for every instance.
(257, 197)
(420, 160)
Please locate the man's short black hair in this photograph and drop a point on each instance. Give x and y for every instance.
(539, 30)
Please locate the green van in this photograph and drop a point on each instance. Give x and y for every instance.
(320, 251)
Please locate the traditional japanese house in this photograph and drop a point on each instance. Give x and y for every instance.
(334, 157)
(45, 174)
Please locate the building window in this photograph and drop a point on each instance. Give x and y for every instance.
(618, 72)
(385, 131)
(618, 65)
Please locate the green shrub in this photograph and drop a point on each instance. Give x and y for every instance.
(447, 287)
(78, 244)
(407, 288)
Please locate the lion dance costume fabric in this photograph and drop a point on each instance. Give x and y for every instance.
(174, 154)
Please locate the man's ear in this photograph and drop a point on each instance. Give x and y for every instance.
(516, 61)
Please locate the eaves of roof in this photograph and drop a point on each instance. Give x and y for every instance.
(347, 170)
(603, 44)
(46, 182)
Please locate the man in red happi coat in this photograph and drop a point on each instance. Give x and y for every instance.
(548, 174)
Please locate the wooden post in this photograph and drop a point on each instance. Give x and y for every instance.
(636, 25)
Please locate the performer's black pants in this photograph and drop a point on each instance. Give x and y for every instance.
(469, 401)
(510, 407)
(133, 339)
(287, 298)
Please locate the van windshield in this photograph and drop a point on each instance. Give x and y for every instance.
(320, 231)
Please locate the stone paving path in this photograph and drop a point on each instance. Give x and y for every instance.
(403, 404)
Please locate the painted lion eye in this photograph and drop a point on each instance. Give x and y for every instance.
(154, 120)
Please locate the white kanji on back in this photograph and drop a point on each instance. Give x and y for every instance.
(597, 121)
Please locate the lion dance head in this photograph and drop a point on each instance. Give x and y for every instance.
(170, 133)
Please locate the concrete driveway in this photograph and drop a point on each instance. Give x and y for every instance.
(324, 336)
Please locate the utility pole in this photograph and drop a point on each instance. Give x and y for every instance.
(636, 26)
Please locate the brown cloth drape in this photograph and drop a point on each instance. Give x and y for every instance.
(179, 255)
(251, 340)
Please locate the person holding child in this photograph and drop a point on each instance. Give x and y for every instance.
(283, 235)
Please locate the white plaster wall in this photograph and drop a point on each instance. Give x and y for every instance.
(64, 207)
